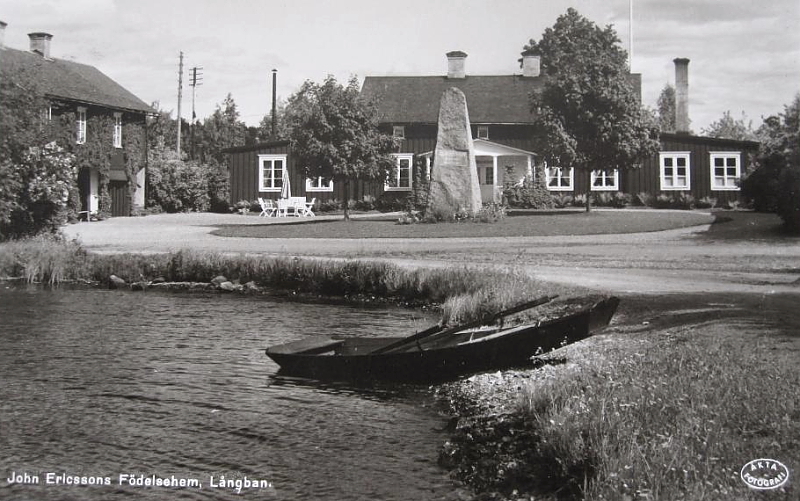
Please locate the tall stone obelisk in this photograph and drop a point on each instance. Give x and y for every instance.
(454, 179)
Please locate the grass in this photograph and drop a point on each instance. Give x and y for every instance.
(465, 293)
(668, 411)
(525, 224)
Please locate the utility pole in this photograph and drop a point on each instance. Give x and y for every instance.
(195, 80)
(274, 104)
(180, 95)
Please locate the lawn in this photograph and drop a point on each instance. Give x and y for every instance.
(522, 224)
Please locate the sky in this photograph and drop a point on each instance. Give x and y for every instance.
(745, 55)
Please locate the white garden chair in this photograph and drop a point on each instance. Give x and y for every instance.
(268, 208)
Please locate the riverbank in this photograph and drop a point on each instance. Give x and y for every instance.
(670, 402)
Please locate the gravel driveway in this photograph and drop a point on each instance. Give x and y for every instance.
(656, 262)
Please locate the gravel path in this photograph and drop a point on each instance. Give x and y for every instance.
(657, 262)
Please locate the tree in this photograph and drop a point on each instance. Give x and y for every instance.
(223, 129)
(37, 169)
(729, 128)
(588, 115)
(666, 109)
(281, 127)
(334, 135)
(774, 186)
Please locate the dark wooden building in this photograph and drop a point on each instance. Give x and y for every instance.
(502, 128)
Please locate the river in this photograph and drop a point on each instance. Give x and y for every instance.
(143, 395)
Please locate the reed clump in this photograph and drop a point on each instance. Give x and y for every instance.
(467, 292)
(673, 418)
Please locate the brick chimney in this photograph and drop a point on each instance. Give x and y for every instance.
(530, 64)
(681, 95)
(3, 25)
(455, 64)
(40, 43)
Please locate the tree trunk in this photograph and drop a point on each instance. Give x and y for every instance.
(346, 203)
(589, 192)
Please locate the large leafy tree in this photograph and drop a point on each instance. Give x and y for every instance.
(728, 127)
(775, 184)
(264, 131)
(223, 129)
(334, 135)
(666, 109)
(588, 115)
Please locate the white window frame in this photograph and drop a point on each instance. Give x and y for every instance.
(81, 121)
(483, 132)
(674, 155)
(729, 182)
(267, 180)
(318, 184)
(553, 173)
(117, 140)
(603, 174)
(399, 131)
(399, 157)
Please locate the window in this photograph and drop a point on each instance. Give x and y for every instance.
(483, 132)
(319, 184)
(605, 180)
(81, 137)
(675, 174)
(399, 131)
(725, 171)
(559, 179)
(271, 172)
(117, 130)
(400, 179)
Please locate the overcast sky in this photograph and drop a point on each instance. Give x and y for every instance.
(745, 55)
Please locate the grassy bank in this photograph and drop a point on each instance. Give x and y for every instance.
(665, 411)
(463, 293)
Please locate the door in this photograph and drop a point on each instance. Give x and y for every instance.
(486, 178)
(120, 198)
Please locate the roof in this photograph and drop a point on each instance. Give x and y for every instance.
(710, 141)
(415, 99)
(71, 81)
(491, 99)
(483, 147)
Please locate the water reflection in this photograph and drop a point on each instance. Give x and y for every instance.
(104, 383)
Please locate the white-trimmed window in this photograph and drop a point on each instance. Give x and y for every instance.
(81, 120)
(558, 179)
(271, 172)
(400, 179)
(319, 184)
(675, 171)
(399, 131)
(117, 130)
(725, 171)
(605, 180)
(483, 132)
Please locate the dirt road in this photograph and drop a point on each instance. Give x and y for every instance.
(657, 262)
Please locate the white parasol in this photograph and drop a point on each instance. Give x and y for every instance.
(286, 188)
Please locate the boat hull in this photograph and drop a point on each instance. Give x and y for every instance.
(351, 359)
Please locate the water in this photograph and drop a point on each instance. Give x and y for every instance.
(98, 384)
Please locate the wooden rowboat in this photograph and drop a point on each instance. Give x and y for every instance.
(440, 353)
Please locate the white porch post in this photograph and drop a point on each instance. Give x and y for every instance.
(530, 168)
(494, 178)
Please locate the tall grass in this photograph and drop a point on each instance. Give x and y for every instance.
(53, 261)
(672, 419)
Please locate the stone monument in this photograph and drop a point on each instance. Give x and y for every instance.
(454, 178)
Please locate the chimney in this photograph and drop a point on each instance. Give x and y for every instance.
(40, 43)
(530, 64)
(455, 64)
(681, 95)
(3, 25)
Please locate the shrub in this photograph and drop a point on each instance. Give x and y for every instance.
(529, 194)
(579, 200)
(332, 205)
(706, 203)
(490, 213)
(609, 199)
(176, 185)
(560, 201)
(683, 201)
(645, 199)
